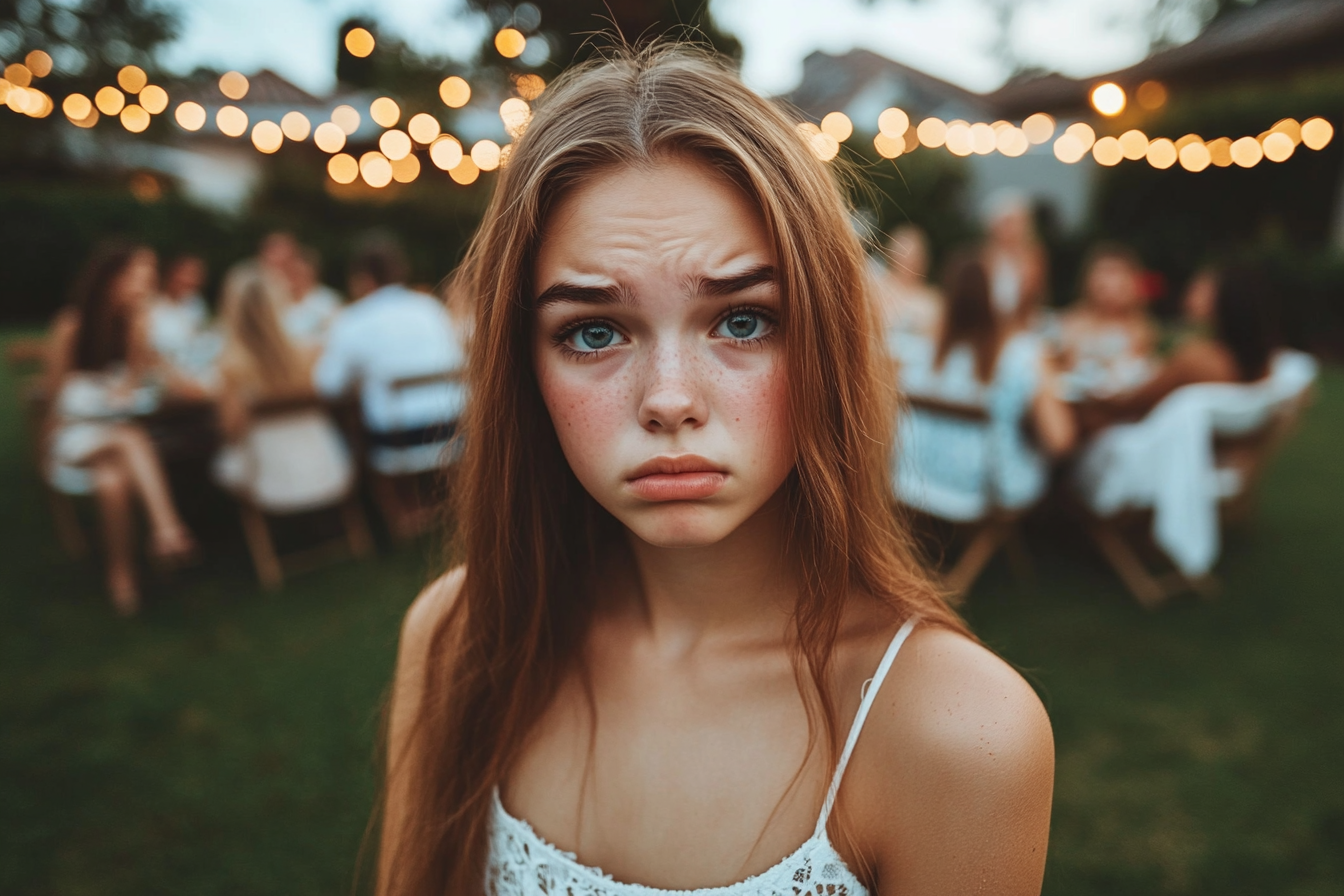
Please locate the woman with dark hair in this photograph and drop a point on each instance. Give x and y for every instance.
(1235, 339)
(956, 469)
(97, 377)
(690, 648)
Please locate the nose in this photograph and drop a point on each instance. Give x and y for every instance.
(673, 395)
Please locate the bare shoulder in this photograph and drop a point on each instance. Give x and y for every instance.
(957, 772)
(428, 609)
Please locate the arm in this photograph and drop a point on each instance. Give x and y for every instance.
(1195, 362)
(60, 350)
(417, 632)
(1052, 420)
(959, 775)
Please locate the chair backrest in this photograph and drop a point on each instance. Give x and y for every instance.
(405, 383)
(297, 458)
(972, 413)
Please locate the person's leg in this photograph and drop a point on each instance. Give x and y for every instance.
(112, 487)
(132, 447)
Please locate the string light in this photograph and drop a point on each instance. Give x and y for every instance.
(893, 123)
(838, 125)
(485, 153)
(231, 121)
(132, 78)
(1291, 128)
(267, 136)
(343, 168)
(77, 107)
(1083, 133)
(346, 118)
(329, 137)
(406, 169)
(297, 127)
(510, 43)
(446, 152)
(465, 172)
(529, 86)
(1151, 95)
(375, 169)
(395, 144)
(39, 63)
(190, 116)
(983, 138)
(1039, 128)
(423, 128)
(134, 118)
(1316, 133)
(385, 111)
(1011, 141)
(359, 42)
(455, 92)
(1161, 153)
(1220, 152)
(1133, 144)
(1278, 146)
(1108, 98)
(109, 100)
(958, 138)
(1069, 148)
(234, 85)
(932, 133)
(18, 74)
(1195, 156)
(1107, 152)
(888, 147)
(1247, 152)
(515, 113)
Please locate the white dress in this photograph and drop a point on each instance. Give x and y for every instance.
(521, 863)
(959, 469)
(88, 406)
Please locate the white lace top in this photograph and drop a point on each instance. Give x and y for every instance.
(521, 863)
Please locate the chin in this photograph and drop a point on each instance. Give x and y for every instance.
(680, 525)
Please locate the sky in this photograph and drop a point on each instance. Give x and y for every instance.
(947, 38)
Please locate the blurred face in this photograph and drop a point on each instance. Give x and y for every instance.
(137, 281)
(277, 251)
(1012, 227)
(186, 278)
(658, 354)
(1113, 286)
(1200, 297)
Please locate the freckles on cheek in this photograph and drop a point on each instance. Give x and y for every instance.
(586, 410)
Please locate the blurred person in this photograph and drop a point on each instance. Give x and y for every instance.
(1233, 306)
(260, 363)
(1107, 338)
(312, 305)
(683, 589)
(277, 251)
(388, 333)
(948, 467)
(1014, 260)
(100, 363)
(178, 313)
(908, 302)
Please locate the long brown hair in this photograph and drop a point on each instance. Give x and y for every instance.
(103, 332)
(527, 531)
(968, 315)
(256, 348)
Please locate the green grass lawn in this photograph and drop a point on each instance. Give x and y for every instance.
(223, 742)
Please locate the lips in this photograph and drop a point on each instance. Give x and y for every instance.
(684, 478)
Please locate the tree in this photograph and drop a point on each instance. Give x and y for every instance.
(88, 38)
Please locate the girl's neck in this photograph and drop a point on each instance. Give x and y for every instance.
(742, 587)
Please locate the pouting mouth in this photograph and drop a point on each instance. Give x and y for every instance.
(684, 463)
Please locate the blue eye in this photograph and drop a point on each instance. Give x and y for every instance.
(594, 337)
(743, 325)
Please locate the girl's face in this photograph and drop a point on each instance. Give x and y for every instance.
(137, 281)
(658, 352)
(1113, 286)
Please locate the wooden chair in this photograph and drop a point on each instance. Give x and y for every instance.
(270, 566)
(999, 529)
(1124, 539)
(411, 502)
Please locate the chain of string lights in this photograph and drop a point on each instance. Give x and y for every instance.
(135, 102)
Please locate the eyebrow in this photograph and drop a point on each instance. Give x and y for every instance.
(565, 291)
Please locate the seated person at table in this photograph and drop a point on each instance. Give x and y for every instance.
(1107, 338)
(312, 305)
(391, 333)
(1014, 259)
(1239, 343)
(956, 468)
(177, 321)
(100, 357)
(906, 299)
(260, 363)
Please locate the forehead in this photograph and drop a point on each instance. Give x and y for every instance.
(668, 217)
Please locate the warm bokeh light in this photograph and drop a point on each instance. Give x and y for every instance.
(1278, 146)
(1290, 127)
(18, 74)
(134, 118)
(5, 87)
(1069, 149)
(1161, 153)
(296, 126)
(405, 169)
(958, 139)
(1108, 98)
(190, 116)
(1151, 95)
(932, 132)
(1220, 152)
(423, 128)
(824, 146)
(16, 98)
(838, 125)
(375, 169)
(39, 63)
(1083, 133)
(1107, 151)
(1317, 132)
(888, 147)
(1183, 142)
(486, 155)
(1134, 144)
(77, 107)
(109, 100)
(893, 122)
(529, 86)
(267, 136)
(154, 98)
(505, 153)
(346, 118)
(329, 137)
(1247, 152)
(88, 121)
(385, 111)
(234, 85)
(1011, 141)
(1194, 156)
(1039, 128)
(455, 92)
(39, 104)
(446, 152)
(231, 121)
(982, 138)
(510, 43)
(343, 168)
(359, 42)
(132, 78)
(466, 172)
(515, 113)
(395, 144)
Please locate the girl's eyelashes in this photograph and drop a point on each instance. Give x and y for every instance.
(746, 324)
(590, 337)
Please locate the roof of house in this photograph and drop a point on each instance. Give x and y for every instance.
(832, 83)
(265, 88)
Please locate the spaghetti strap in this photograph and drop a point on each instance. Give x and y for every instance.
(869, 695)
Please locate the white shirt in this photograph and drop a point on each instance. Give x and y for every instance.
(173, 324)
(390, 334)
(308, 320)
